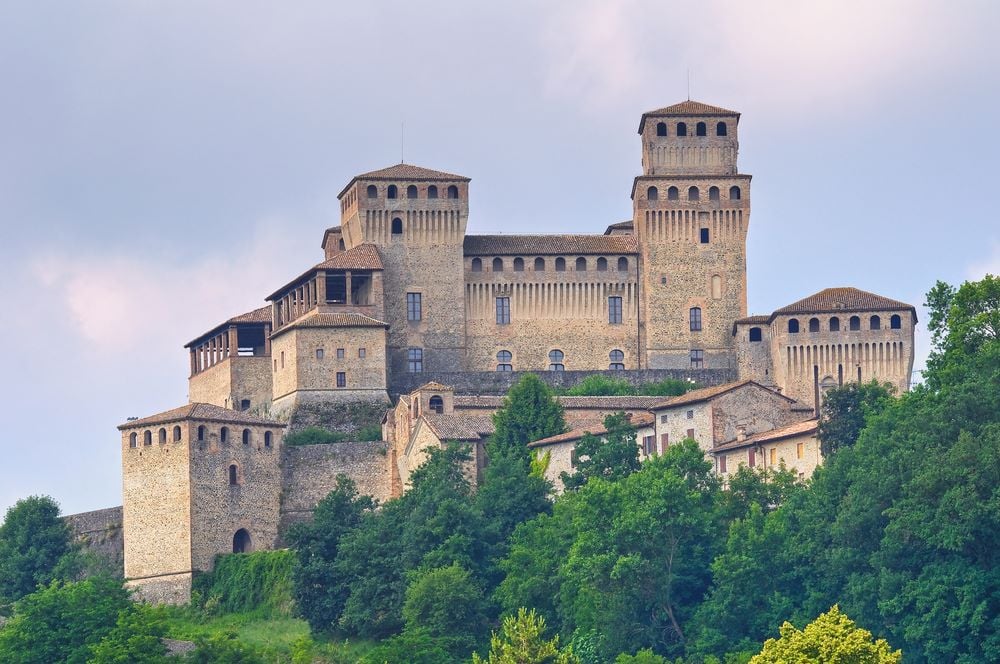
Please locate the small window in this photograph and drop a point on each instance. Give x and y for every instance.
(560, 264)
(267, 439)
(648, 445)
(602, 264)
(246, 436)
(697, 359)
(615, 310)
(581, 264)
(713, 193)
(392, 192)
(432, 191)
(234, 479)
(224, 435)
(673, 194)
(694, 318)
(652, 194)
(799, 450)
(282, 359)
(133, 440)
(341, 353)
(415, 360)
(147, 438)
(411, 191)
(623, 264)
(752, 458)
(854, 324)
(518, 264)
(539, 264)
(721, 130)
(201, 432)
(703, 236)
(362, 353)
(477, 265)
(162, 436)
(755, 334)
(556, 360)
(319, 353)
(661, 128)
(735, 194)
(701, 129)
(716, 287)
(414, 306)
(341, 245)
(793, 326)
(372, 191)
(682, 129)
(774, 456)
(241, 542)
(397, 226)
(722, 464)
(664, 441)
(664, 418)
(341, 379)
(617, 358)
(693, 194)
(177, 434)
(814, 325)
(504, 359)
(437, 404)
(895, 323)
(498, 265)
(835, 324)
(689, 414)
(452, 191)
(874, 323)
(690, 434)
(503, 310)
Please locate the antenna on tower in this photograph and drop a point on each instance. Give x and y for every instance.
(402, 136)
(689, 84)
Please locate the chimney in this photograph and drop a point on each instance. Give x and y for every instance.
(741, 433)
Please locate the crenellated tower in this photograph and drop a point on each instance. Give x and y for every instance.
(691, 211)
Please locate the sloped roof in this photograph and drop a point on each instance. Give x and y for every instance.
(404, 172)
(638, 420)
(626, 225)
(797, 429)
(756, 319)
(347, 319)
(326, 233)
(686, 108)
(460, 427)
(201, 411)
(261, 315)
(706, 393)
(362, 257)
(431, 385)
(508, 245)
(830, 300)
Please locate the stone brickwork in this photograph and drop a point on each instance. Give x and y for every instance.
(233, 382)
(100, 532)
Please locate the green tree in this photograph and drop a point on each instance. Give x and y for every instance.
(646, 656)
(135, 639)
(33, 540)
(320, 590)
(965, 328)
(611, 456)
(767, 488)
(529, 412)
(832, 638)
(845, 410)
(411, 647)
(446, 602)
(225, 648)
(522, 641)
(61, 621)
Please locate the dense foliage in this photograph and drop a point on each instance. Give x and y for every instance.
(522, 641)
(612, 455)
(33, 542)
(832, 638)
(597, 385)
(257, 583)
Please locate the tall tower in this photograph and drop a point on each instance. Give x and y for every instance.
(691, 212)
(417, 219)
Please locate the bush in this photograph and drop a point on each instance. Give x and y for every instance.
(315, 436)
(370, 432)
(258, 583)
(598, 385)
(446, 602)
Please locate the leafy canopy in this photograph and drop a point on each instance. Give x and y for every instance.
(522, 641)
(33, 540)
(529, 412)
(832, 638)
(611, 456)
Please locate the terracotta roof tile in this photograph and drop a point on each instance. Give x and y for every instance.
(797, 429)
(346, 319)
(831, 300)
(508, 245)
(626, 225)
(404, 172)
(201, 411)
(638, 420)
(262, 315)
(362, 257)
(686, 108)
(460, 427)
(706, 393)
(757, 319)
(432, 385)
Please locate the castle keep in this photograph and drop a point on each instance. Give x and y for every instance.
(404, 295)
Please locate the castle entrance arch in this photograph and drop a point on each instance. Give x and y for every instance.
(241, 542)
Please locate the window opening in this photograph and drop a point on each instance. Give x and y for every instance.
(504, 359)
(694, 317)
(415, 360)
(556, 360)
(414, 307)
(503, 310)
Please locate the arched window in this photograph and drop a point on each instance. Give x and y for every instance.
(693, 193)
(518, 264)
(177, 434)
(701, 129)
(147, 438)
(452, 191)
(241, 542)
(673, 194)
(652, 194)
(793, 326)
(477, 265)
(602, 264)
(246, 436)
(498, 264)
(437, 404)
(539, 264)
(581, 264)
(341, 245)
(721, 129)
(161, 436)
(372, 191)
(734, 193)
(411, 191)
(814, 325)
(713, 193)
(432, 191)
(682, 129)
(694, 318)
(622, 264)
(556, 360)
(661, 128)
(755, 334)
(397, 226)
(835, 324)
(133, 440)
(504, 359)
(617, 358)
(874, 323)
(560, 264)
(267, 439)
(201, 432)
(716, 287)
(854, 324)
(895, 323)
(392, 192)
(224, 435)
(234, 475)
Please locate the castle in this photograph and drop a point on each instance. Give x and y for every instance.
(407, 307)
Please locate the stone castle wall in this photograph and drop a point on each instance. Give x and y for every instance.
(100, 532)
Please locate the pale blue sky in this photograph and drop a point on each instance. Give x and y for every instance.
(165, 165)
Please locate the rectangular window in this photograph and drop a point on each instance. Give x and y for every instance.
(362, 352)
(695, 318)
(697, 359)
(704, 236)
(774, 456)
(722, 463)
(503, 311)
(413, 306)
(574, 458)
(689, 414)
(615, 310)
(690, 434)
(664, 441)
(319, 353)
(752, 458)
(663, 419)
(648, 444)
(340, 353)
(282, 359)
(799, 448)
(415, 360)
(341, 379)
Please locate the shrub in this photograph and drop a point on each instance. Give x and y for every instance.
(259, 583)
(314, 436)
